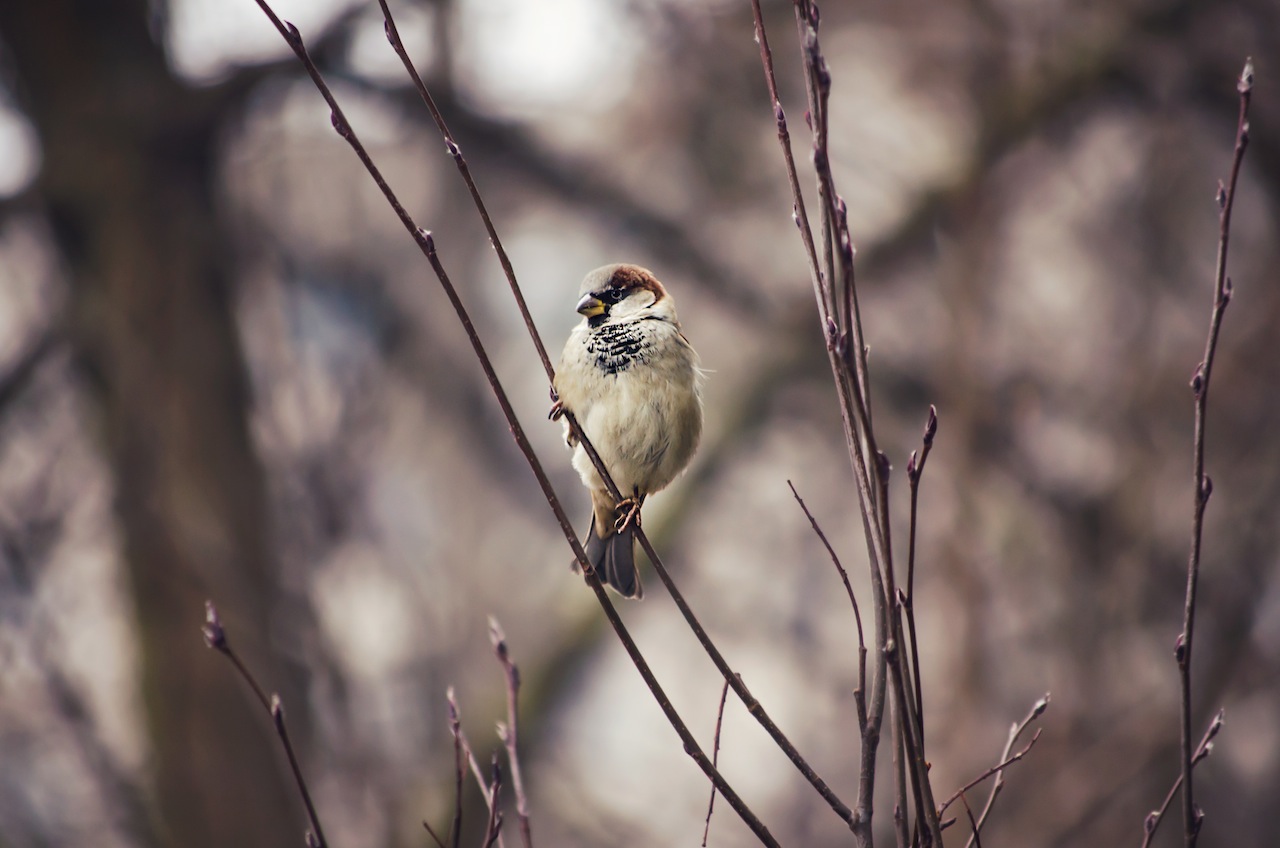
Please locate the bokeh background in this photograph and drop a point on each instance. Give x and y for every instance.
(226, 372)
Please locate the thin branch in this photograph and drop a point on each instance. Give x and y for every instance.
(715, 759)
(434, 838)
(799, 214)
(215, 636)
(754, 708)
(904, 601)
(393, 36)
(922, 790)
(899, 785)
(1037, 710)
(493, 828)
(859, 694)
(460, 750)
(973, 825)
(997, 769)
(1203, 487)
(915, 470)
(465, 756)
(1204, 749)
(510, 732)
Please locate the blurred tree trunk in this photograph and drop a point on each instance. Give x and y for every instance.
(129, 164)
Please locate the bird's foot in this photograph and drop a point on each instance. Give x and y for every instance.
(628, 510)
(557, 406)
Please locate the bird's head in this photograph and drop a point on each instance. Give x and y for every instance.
(616, 293)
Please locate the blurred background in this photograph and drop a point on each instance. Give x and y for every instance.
(226, 372)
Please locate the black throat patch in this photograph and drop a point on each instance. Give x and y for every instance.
(616, 347)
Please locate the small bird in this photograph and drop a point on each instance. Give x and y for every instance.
(632, 381)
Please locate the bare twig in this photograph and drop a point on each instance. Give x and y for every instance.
(393, 36)
(460, 750)
(997, 770)
(859, 693)
(493, 828)
(973, 825)
(510, 732)
(1037, 710)
(915, 469)
(899, 786)
(715, 758)
(466, 758)
(215, 636)
(430, 832)
(1203, 486)
(909, 740)
(921, 788)
(1155, 817)
(799, 213)
(754, 707)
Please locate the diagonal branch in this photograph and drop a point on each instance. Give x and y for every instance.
(715, 757)
(393, 36)
(1037, 710)
(997, 770)
(859, 694)
(215, 636)
(1203, 750)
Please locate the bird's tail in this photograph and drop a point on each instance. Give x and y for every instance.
(614, 559)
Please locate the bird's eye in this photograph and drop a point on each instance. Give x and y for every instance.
(611, 295)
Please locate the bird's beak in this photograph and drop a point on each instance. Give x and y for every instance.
(590, 306)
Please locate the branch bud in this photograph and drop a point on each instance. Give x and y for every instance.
(1245, 85)
(883, 465)
(498, 639)
(214, 636)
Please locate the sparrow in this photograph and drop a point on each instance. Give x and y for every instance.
(632, 381)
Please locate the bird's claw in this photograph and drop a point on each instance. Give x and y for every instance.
(628, 510)
(557, 410)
